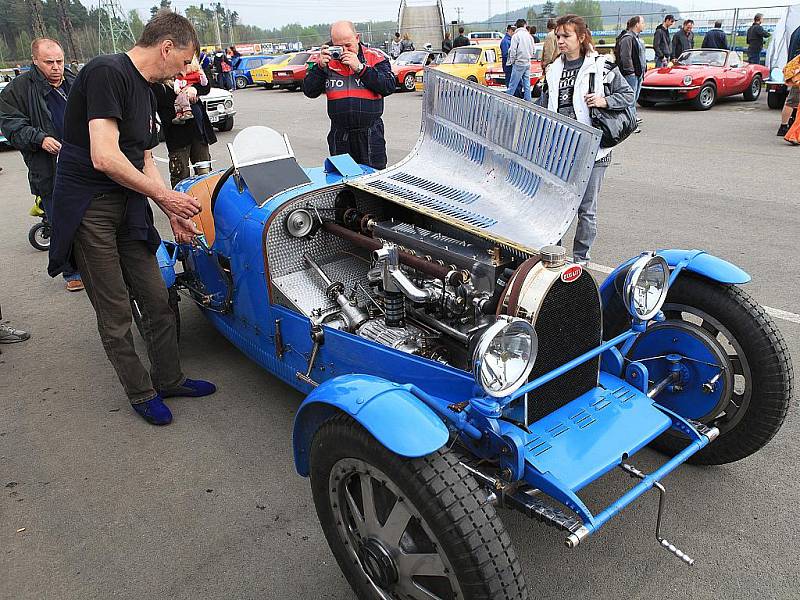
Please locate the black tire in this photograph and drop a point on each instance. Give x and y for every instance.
(536, 91)
(241, 82)
(753, 91)
(472, 78)
(39, 236)
(409, 82)
(706, 98)
(762, 367)
(646, 103)
(442, 514)
(776, 100)
(225, 125)
(173, 301)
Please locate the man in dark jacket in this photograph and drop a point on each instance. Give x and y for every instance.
(630, 55)
(186, 143)
(32, 119)
(461, 40)
(715, 38)
(447, 43)
(220, 59)
(755, 40)
(355, 86)
(683, 39)
(661, 42)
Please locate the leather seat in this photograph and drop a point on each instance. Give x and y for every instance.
(202, 190)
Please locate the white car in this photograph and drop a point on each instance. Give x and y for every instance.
(219, 105)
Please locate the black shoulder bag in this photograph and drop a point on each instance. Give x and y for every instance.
(615, 125)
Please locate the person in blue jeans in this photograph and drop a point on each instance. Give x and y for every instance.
(520, 52)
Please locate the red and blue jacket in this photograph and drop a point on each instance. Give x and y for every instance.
(355, 100)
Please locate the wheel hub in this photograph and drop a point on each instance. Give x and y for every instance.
(378, 563)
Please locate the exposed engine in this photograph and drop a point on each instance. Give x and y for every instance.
(405, 281)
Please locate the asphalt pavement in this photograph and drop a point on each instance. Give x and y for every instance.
(96, 504)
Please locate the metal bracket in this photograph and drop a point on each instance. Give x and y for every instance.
(662, 493)
(319, 338)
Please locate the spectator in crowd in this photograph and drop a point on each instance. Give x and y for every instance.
(103, 222)
(234, 55)
(355, 86)
(505, 43)
(566, 91)
(187, 143)
(395, 47)
(447, 43)
(755, 40)
(715, 38)
(9, 335)
(683, 39)
(32, 119)
(207, 65)
(406, 45)
(532, 31)
(630, 54)
(222, 66)
(520, 53)
(661, 42)
(550, 49)
(789, 112)
(461, 39)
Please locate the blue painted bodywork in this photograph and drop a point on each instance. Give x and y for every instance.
(405, 401)
(246, 63)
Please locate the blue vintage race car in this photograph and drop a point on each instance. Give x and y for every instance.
(241, 70)
(454, 359)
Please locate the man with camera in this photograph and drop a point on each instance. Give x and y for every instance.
(354, 79)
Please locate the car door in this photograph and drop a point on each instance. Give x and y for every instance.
(735, 75)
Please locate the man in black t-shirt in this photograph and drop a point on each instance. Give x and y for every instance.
(103, 222)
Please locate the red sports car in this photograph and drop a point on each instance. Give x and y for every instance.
(406, 66)
(700, 77)
(291, 75)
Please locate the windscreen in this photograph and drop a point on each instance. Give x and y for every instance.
(412, 58)
(300, 59)
(462, 56)
(703, 57)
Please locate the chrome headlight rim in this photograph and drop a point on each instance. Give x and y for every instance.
(228, 104)
(503, 322)
(687, 80)
(635, 272)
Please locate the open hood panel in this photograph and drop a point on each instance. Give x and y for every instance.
(491, 164)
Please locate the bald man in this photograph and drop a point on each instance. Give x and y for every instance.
(32, 119)
(354, 85)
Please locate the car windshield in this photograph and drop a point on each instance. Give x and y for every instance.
(300, 59)
(462, 56)
(715, 58)
(412, 58)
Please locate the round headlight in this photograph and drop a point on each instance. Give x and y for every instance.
(687, 80)
(504, 356)
(646, 286)
(228, 103)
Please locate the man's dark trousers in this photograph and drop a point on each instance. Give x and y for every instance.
(367, 146)
(109, 264)
(754, 58)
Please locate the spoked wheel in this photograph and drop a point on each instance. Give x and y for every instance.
(408, 529)
(739, 370)
(408, 82)
(39, 236)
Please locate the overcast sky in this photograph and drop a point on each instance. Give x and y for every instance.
(273, 13)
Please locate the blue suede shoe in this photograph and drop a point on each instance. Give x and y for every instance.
(190, 388)
(154, 411)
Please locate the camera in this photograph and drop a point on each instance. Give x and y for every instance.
(335, 52)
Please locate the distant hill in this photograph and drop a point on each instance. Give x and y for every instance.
(614, 14)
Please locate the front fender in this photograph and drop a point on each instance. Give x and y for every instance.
(696, 261)
(389, 411)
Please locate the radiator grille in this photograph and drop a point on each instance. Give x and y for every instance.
(569, 324)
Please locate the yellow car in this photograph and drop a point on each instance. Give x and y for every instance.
(263, 75)
(467, 62)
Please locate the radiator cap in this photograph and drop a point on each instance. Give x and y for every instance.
(553, 256)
